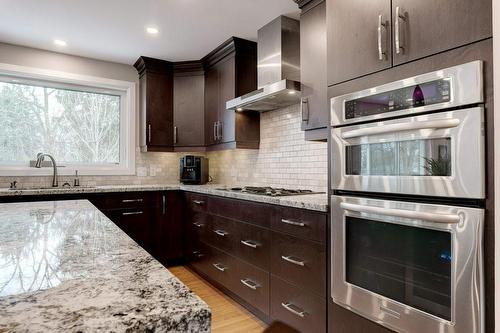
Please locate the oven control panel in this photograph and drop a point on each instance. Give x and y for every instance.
(427, 93)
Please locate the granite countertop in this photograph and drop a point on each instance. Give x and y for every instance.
(65, 267)
(317, 202)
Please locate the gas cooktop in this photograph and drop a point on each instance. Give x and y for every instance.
(270, 191)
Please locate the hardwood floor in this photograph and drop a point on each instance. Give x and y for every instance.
(227, 315)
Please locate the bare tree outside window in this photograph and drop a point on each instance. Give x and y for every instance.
(75, 126)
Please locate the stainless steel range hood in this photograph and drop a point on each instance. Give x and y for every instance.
(278, 68)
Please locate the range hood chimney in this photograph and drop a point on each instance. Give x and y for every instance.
(278, 68)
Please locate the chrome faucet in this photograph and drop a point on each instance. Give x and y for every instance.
(39, 159)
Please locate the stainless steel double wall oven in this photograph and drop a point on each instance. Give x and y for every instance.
(408, 184)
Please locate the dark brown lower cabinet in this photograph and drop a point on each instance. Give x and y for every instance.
(135, 222)
(275, 269)
(152, 219)
(298, 308)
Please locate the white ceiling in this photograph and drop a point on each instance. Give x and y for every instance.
(114, 30)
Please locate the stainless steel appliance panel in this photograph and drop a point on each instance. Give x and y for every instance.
(465, 88)
(446, 297)
(439, 154)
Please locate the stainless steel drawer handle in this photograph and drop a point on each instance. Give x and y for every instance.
(221, 233)
(294, 309)
(132, 200)
(250, 284)
(198, 225)
(220, 267)
(132, 213)
(198, 202)
(295, 223)
(249, 243)
(295, 261)
(409, 214)
(198, 254)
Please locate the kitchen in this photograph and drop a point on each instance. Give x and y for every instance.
(311, 166)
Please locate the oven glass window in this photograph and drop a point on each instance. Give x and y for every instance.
(426, 157)
(407, 264)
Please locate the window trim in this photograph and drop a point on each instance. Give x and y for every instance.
(127, 91)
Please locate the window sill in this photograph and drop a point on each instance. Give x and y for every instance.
(66, 171)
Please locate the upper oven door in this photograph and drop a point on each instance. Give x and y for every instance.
(411, 267)
(440, 154)
(447, 88)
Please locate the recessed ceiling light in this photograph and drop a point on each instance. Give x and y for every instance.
(59, 42)
(152, 30)
(239, 109)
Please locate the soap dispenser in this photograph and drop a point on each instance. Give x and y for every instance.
(77, 180)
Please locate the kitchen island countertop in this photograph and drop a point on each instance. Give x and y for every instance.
(65, 267)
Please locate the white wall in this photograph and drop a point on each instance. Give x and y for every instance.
(496, 86)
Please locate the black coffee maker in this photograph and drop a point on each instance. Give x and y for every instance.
(193, 170)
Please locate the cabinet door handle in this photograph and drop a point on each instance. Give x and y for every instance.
(149, 133)
(219, 130)
(219, 267)
(132, 213)
(249, 243)
(175, 134)
(132, 200)
(295, 223)
(304, 109)
(215, 131)
(164, 204)
(381, 52)
(250, 284)
(294, 309)
(397, 28)
(291, 260)
(221, 232)
(198, 202)
(198, 225)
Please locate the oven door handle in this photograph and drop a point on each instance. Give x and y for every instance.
(409, 214)
(415, 125)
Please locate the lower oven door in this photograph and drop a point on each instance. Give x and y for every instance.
(440, 154)
(410, 267)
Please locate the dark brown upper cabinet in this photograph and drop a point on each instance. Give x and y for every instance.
(427, 27)
(314, 105)
(353, 31)
(156, 104)
(230, 71)
(368, 36)
(189, 91)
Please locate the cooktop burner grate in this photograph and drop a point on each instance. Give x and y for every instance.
(271, 191)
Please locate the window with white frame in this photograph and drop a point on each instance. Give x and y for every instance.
(86, 123)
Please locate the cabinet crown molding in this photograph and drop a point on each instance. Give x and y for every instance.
(152, 65)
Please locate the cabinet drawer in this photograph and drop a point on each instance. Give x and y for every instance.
(300, 309)
(137, 223)
(299, 261)
(196, 202)
(251, 284)
(246, 211)
(222, 233)
(245, 280)
(253, 245)
(199, 256)
(301, 223)
(127, 200)
(197, 226)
